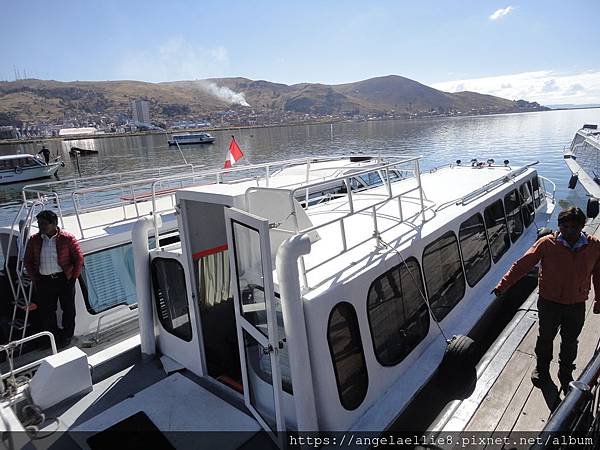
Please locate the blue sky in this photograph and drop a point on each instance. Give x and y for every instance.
(544, 49)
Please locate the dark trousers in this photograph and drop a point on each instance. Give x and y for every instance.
(53, 289)
(552, 317)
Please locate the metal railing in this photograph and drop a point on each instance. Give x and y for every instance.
(14, 344)
(508, 177)
(265, 171)
(372, 208)
(100, 191)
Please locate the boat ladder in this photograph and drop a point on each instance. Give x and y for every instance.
(20, 284)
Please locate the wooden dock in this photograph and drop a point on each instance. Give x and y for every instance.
(504, 402)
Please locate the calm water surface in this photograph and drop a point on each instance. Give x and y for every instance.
(521, 138)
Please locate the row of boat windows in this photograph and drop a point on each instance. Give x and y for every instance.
(6, 164)
(397, 313)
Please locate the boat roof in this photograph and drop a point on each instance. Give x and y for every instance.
(19, 156)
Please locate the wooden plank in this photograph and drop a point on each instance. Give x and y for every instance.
(539, 405)
(494, 404)
(514, 408)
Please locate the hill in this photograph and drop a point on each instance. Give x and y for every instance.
(56, 102)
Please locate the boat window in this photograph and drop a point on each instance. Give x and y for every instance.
(108, 278)
(394, 175)
(474, 248)
(347, 356)
(170, 295)
(30, 162)
(495, 222)
(527, 201)
(8, 164)
(443, 274)
(537, 194)
(398, 316)
(512, 206)
(371, 179)
(356, 184)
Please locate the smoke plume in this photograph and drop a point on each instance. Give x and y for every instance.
(224, 93)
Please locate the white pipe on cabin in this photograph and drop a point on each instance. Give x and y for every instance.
(141, 264)
(295, 330)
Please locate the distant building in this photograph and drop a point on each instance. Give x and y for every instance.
(9, 132)
(140, 112)
(76, 131)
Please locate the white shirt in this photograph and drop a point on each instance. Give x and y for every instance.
(48, 256)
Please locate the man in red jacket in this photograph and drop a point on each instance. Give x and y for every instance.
(54, 261)
(568, 259)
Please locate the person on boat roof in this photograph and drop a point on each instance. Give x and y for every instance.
(46, 153)
(569, 259)
(54, 261)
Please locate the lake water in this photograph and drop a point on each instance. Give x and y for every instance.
(520, 138)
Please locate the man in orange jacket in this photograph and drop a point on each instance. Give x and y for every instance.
(569, 259)
(54, 261)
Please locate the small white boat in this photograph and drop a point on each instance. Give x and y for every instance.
(15, 168)
(192, 138)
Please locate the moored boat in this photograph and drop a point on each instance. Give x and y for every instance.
(309, 309)
(19, 168)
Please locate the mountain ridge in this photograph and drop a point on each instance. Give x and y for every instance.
(33, 100)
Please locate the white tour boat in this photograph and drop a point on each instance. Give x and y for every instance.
(313, 295)
(19, 168)
(191, 138)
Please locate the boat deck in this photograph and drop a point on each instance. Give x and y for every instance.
(504, 401)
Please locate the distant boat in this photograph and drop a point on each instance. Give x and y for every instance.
(15, 168)
(191, 138)
(82, 151)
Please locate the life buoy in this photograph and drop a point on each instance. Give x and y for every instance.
(18, 170)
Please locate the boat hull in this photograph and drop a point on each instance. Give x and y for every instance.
(28, 173)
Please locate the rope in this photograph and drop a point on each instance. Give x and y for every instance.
(417, 285)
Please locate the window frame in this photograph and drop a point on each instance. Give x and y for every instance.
(356, 324)
(422, 307)
(518, 215)
(168, 327)
(487, 247)
(462, 271)
(508, 242)
(526, 205)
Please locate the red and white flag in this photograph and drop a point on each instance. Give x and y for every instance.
(233, 155)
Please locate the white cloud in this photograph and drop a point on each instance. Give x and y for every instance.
(501, 12)
(544, 86)
(176, 59)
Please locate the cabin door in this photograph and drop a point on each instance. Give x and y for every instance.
(252, 282)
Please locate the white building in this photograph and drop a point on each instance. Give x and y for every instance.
(140, 112)
(77, 131)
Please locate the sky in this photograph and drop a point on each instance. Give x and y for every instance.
(545, 51)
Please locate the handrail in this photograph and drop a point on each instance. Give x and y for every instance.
(544, 180)
(28, 187)
(14, 344)
(218, 173)
(73, 187)
(487, 187)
